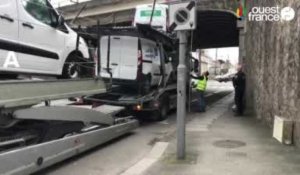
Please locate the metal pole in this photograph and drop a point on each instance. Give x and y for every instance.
(189, 99)
(216, 59)
(77, 15)
(98, 65)
(77, 38)
(181, 95)
(152, 12)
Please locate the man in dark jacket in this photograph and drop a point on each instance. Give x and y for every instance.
(239, 84)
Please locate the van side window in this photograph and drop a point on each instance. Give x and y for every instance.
(41, 11)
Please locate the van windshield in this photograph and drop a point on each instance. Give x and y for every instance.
(41, 10)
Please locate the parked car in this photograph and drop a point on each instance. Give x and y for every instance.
(134, 60)
(34, 39)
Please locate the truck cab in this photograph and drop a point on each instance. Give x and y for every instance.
(34, 39)
(160, 16)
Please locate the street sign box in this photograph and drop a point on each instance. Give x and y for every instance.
(183, 16)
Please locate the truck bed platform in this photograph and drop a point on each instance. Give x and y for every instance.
(123, 97)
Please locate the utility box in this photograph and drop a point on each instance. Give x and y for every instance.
(283, 130)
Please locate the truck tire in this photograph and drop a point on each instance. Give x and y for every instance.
(164, 109)
(162, 112)
(71, 69)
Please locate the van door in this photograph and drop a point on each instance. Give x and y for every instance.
(43, 44)
(8, 35)
(156, 65)
(129, 58)
(151, 59)
(110, 45)
(123, 57)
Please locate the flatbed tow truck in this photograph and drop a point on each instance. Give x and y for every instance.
(35, 137)
(160, 99)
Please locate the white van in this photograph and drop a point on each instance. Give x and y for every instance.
(134, 60)
(34, 39)
(160, 19)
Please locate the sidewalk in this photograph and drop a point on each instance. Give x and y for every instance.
(218, 143)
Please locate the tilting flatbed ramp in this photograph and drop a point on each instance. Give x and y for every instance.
(16, 99)
(22, 93)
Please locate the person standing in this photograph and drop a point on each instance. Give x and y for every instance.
(200, 88)
(239, 84)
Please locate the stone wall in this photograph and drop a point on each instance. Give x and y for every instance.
(273, 66)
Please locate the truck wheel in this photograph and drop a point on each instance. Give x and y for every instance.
(71, 68)
(162, 112)
(164, 109)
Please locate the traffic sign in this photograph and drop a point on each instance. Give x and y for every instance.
(183, 16)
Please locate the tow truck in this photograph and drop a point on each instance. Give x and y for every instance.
(160, 99)
(35, 137)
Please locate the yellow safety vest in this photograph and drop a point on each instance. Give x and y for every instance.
(201, 85)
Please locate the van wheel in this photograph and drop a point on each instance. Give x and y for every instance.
(71, 68)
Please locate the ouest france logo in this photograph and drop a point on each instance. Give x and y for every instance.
(272, 14)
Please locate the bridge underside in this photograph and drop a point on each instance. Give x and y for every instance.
(216, 28)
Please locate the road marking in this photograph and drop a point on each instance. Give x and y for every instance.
(141, 166)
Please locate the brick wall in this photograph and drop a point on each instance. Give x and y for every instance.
(273, 66)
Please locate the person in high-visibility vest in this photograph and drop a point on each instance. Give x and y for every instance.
(200, 88)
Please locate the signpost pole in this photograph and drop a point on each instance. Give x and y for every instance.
(181, 95)
(183, 19)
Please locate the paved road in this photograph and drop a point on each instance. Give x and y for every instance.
(120, 154)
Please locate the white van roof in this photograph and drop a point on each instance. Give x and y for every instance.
(141, 30)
